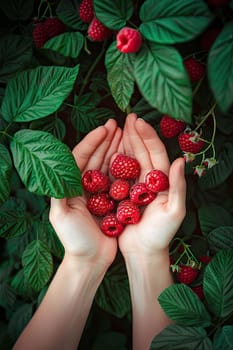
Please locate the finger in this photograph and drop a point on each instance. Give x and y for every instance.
(177, 187)
(57, 207)
(156, 148)
(126, 134)
(114, 147)
(85, 148)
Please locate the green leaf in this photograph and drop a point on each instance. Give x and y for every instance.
(120, 76)
(45, 165)
(7, 295)
(5, 172)
(163, 80)
(221, 238)
(68, 44)
(52, 124)
(218, 174)
(110, 340)
(177, 337)
(37, 264)
(113, 14)
(14, 221)
(19, 320)
(218, 284)
(220, 68)
(15, 53)
(17, 10)
(183, 306)
(67, 11)
(170, 22)
(39, 91)
(21, 286)
(212, 216)
(223, 338)
(117, 303)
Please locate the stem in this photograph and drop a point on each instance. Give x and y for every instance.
(4, 133)
(197, 87)
(212, 138)
(205, 117)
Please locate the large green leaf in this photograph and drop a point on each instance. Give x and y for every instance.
(37, 264)
(52, 124)
(68, 44)
(37, 92)
(221, 238)
(67, 11)
(177, 337)
(223, 338)
(116, 303)
(163, 80)
(15, 53)
(45, 165)
(183, 306)
(19, 320)
(17, 9)
(14, 220)
(5, 172)
(169, 22)
(21, 286)
(220, 67)
(113, 14)
(120, 75)
(218, 283)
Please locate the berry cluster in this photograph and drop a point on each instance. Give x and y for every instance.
(119, 202)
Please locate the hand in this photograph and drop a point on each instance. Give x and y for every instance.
(77, 229)
(161, 218)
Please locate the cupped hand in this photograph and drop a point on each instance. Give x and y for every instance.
(77, 229)
(161, 218)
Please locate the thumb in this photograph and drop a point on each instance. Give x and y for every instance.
(57, 208)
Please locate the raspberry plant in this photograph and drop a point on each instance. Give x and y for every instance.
(54, 89)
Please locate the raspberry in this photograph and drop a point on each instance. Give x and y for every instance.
(94, 181)
(187, 274)
(39, 34)
(100, 204)
(140, 194)
(199, 291)
(111, 226)
(97, 31)
(54, 27)
(208, 38)
(156, 181)
(171, 127)
(119, 189)
(194, 68)
(128, 212)
(190, 142)
(125, 167)
(86, 11)
(128, 40)
(205, 259)
(217, 3)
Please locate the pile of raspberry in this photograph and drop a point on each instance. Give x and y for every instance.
(117, 198)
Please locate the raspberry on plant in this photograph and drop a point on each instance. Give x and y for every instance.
(100, 204)
(111, 226)
(195, 69)
(156, 181)
(86, 11)
(54, 27)
(128, 40)
(171, 127)
(128, 212)
(125, 167)
(97, 30)
(186, 274)
(199, 291)
(140, 194)
(94, 181)
(218, 3)
(39, 34)
(119, 189)
(190, 142)
(208, 38)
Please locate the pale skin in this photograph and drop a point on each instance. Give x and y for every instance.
(59, 321)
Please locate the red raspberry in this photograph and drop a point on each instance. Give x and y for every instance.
(205, 259)
(190, 142)
(86, 11)
(128, 212)
(208, 38)
(111, 226)
(97, 31)
(39, 34)
(217, 3)
(94, 181)
(140, 194)
(125, 167)
(100, 204)
(54, 27)
(128, 40)
(156, 181)
(187, 274)
(171, 127)
(194, 68)
(199, 291)
(119, 189)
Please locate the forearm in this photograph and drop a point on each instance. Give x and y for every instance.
(148, 277)
(59, 321)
